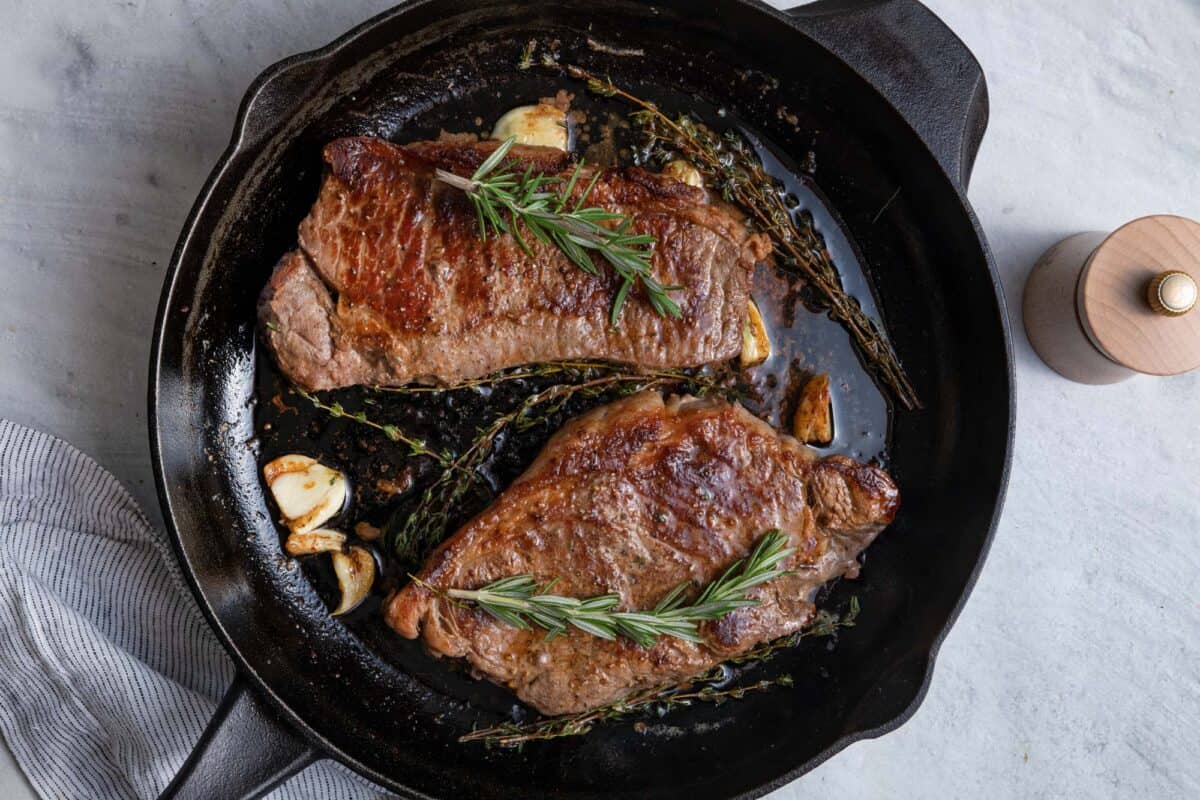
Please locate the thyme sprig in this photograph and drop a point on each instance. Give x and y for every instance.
(664, 698)
(541, 370)
(426, 523)
(509, 201)
(520, 601)
(732, 168)
(515, 734)
(416, 447)
(825, 623)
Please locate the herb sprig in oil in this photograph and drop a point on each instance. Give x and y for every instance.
(730, 166)
(426, 524)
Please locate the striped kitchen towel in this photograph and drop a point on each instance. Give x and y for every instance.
(108, 671)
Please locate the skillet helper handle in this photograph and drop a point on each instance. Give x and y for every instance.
(917, 63)
(245, 752)
(274, 97)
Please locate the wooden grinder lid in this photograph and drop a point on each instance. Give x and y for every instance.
(1134, 292)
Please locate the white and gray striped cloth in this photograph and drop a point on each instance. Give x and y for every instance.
(108, 671)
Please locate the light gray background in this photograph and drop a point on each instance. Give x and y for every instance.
(1075, 669)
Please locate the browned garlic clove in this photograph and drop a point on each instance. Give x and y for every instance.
(756, 345)
(322, 540)
(543, 124)
(307, 492)
(813, 421)
(355, 570)
(684, 172)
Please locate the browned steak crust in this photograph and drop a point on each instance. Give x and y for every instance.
(634, 498)
(393, 284)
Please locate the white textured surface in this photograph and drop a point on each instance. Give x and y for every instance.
(1074, 669)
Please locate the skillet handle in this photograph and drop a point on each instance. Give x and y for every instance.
(245, 752)
(916, 62)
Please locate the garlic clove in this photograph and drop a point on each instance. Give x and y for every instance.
(543, 124)
(684, 172)
(813, 420)
(756, 345)
(288, 463)
(307, 492)
(321, 540)
(355, 570)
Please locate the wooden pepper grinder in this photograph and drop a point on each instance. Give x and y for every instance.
(1099, 309)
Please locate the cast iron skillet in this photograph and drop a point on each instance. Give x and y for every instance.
(892, 106)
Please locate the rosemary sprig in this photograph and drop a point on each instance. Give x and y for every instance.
(508, 201)
(736, 172)
(665, 698)
(416, 447)
(520, 601)
(425, 525)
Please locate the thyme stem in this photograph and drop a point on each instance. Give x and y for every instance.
(417, 447)
(523, 373)
(425, 525)
(515, 735)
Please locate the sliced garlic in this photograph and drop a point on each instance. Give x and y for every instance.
(543, 124)
(355, 570)
(322, 540)
(813, 420)
(307, 492)
(684, 172)
(756, 345)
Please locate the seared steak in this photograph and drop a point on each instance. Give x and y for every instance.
(635, 498)
(392, 283)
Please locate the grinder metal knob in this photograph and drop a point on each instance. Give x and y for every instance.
(1172, 293)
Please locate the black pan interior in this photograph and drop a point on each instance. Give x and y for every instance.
(437, 65)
